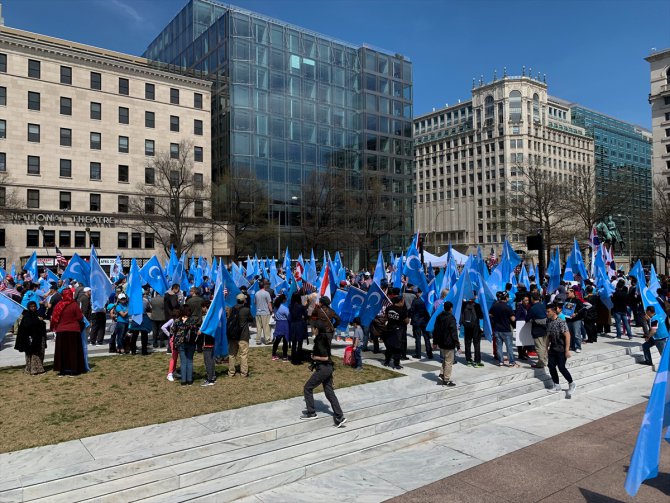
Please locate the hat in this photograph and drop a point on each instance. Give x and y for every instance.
(87, 289)
(367, 274)
(53, 285)
(325, 301)
(122, 296)
(343, 283)
(241, 297)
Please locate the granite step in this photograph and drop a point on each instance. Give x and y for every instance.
(452, 408)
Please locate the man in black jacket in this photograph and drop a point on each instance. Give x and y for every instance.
(471, 314)
(445, 336)
(418, 313)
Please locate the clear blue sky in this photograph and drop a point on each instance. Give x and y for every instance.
(591, 50)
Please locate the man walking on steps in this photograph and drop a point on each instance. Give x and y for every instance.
(323, 374)
(559, 350)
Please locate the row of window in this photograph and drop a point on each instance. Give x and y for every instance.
(95, 203)
(65, 239)
(95, 83)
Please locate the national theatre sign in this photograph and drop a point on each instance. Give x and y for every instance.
(59, 219)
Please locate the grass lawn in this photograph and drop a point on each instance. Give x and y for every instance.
(124, 392)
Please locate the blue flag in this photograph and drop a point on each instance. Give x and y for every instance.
(645, 458)
(116, 272)
(554, 271)
(152, 273)
(414, 270)
(231, 288)
(352, 304)
(214, 323)
(31, 267)
(134, 292)
(3, 274)
(252, 295)
(310, 274)
(101, 287)
(78, 270)
(52, 276)
(287, 262)
(9, 313)
(373, 303)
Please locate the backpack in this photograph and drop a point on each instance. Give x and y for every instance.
(348, 358)
(469, 316)
(233, 328)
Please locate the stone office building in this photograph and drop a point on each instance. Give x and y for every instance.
(79, 127)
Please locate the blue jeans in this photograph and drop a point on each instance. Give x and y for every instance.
(649, 343)
(575, 328)
(508, 339)
(186, 352)
(119, 333)
(618, 318)
(358, 356)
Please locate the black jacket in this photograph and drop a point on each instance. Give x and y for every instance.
(418, 313)
(445, 333)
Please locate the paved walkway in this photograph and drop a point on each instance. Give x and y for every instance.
(588, 463)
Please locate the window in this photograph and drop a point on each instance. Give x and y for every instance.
(3, 162)
(65, 200)
(149, 240)
(95, 171)
(96, 81)
(2, 237)
(3, 63)
(96, 141)
(3, 128)
(49, 238)
(33, 101)
(174, 96)
(197, 154)
(198, 180)
(3, 196)
(96, 111)
(536, 108)
(33, 165)
(95, 202)
(149, 147)
(32, 238)
(149, 120)
(34, 133)
(124, 86)
(33, 198)
(34, 69)
(197, 127)
(64, 239)
(65, 137)
(174, 123)
(198, 239)
(65, 168)
(515, 106)
(124, 115)
(65, 106)
(123, 204)
(123, 144)
(149, 205)
(3, 96)
(149, 176)
(94, 237)
(198, 208)
(123, 173)
(65, 75)
(174, 150)
(666, 100)
(197, 100)
(136, 240)
(80, 239)
(149, 92)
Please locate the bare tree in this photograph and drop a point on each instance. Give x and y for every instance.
(9, 196)
(323, 203)
(661, 220)
(240, 205)
(175, 206)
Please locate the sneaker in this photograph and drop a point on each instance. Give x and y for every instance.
(479, 364)
(555, 389)
(205, 383)
(397, 367)
(169, 377)
(275, 358)
(571, 390)
(450, 384)
(284, 360)
(645, 362)
(358, 369)
(306, 416)
(470, 363)
(340, 423)
(578, 350)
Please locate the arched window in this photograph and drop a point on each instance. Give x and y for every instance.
(667, 76)
(515, 106)
(536, 108)
(489, 107)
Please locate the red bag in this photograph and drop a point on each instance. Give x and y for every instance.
(348, 358)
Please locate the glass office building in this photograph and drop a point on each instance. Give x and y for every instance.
(289, 104)
(623, 158)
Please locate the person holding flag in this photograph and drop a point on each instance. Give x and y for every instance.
(66, 321)
(658, 334)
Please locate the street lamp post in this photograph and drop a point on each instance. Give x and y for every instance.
(435, 225)
(629, 238)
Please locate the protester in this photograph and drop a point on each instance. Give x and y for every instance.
(502, 318)
(282, 328)
(591, 304)
(66, 321)
(238, 337)
(656, 337)
(521, 314)
(418, 313)
(31, 339)
(445, 337)
(142, 328)
(620, 309)
(559, 350)
(121, 329)
(471, 314)
(396, 323)
(208, 342)
(357, 343)
(537, 317)
(298, 327)
(263, 302)
(326, 318)
(575, 309)
(184, 331)
(157, 316)
(165, 328)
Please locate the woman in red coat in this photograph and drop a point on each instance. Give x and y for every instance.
(66, 322)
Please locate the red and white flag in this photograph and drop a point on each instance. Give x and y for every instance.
(324, 289)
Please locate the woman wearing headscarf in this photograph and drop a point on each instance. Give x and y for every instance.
(31, 339)
(66, 322)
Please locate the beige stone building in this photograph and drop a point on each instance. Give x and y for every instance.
(659, 99)
(79, 130)
(467, 154)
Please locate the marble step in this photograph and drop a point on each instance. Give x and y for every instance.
(507, 385)
(217, 486)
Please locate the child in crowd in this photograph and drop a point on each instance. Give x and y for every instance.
(173, 350)
(358, 343)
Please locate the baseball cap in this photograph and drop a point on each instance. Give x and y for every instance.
(122, 296)
(241, 297)
(87, 289)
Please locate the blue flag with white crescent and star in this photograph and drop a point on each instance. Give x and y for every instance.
(214, 323)
(9, 313)
(414, 270)
(77, 269)
(152, 273)
(379, 269)
(647, 453)
(134, 292)
(101, 287)
(31, 267)
(373, 303)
